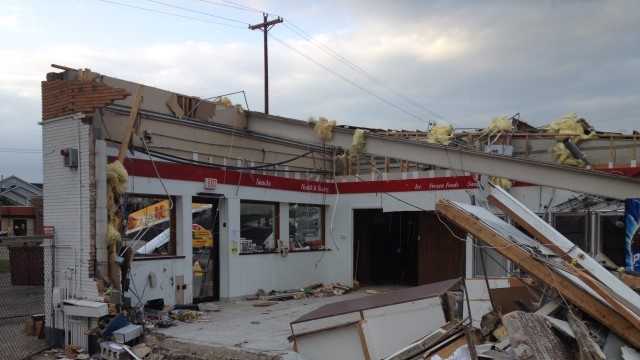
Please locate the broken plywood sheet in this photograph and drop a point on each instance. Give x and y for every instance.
(176, 109)
(205, 110)
(532, 339)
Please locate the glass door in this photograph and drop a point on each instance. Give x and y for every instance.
(205, 247)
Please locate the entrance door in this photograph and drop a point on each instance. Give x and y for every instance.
(205, 247)
(441, 255)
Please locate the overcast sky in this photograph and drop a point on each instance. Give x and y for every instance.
(461, 62)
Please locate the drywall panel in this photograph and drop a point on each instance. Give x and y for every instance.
(339, 343)
(390, 328)
(325, 323)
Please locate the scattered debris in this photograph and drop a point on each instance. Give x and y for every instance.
(313, 290)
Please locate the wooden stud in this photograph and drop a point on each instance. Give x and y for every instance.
(363, 339)
(568, 289)
(133, 115)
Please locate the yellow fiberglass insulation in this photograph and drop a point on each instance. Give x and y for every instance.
(113, 235)
(500, 181)
(323, 128)
(499, 124)
(116, 185)
(225, 102)
(562, 155)
(440, 134)
(569, 126)
(117, 177)
(358, 143)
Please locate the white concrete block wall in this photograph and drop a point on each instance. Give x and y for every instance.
(244, 274)
(67, 204)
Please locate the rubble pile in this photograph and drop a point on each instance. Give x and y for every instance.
(563, 304)
(313, 290)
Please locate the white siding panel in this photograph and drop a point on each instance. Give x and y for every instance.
(67, 204)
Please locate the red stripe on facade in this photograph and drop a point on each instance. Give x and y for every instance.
(172, 171)
(22, 211)
(421, 184)
(139, 167)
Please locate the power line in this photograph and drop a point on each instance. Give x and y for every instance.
(232, 6)
(245, 6)
(306, 36)
(344, 78)
(326, 68)
(20, 151)
(198, 12)
(170, 14)
(328, 50)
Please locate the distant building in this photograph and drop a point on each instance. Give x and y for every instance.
(20, 207)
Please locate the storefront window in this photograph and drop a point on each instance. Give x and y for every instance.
(258, 227)
(150, 226)
(306, 227)
(574, 228)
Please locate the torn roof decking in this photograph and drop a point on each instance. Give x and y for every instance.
(261, 128)
(531, 171)
(380, 300)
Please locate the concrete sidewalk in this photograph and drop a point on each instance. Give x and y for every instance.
(259, 330)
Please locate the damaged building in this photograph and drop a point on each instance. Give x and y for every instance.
(158, 195)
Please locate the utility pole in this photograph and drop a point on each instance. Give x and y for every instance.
(265, 26)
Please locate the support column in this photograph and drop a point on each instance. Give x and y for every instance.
(283, 218)
(184, 243)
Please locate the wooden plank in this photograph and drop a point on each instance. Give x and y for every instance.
(632, 281)
(133, 115)
(363, 339)
(532, 339)
(568, 289)
(546, 234)
(580, 273)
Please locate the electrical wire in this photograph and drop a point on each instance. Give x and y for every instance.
(346, 79)
(245, 6)
(329, 51)
(198, 12)
(170, 13)
(182, 160)
(20, 151)
(232, 6)
(155, 169)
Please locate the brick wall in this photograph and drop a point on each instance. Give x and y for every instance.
(65, 97)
